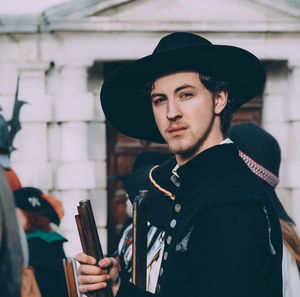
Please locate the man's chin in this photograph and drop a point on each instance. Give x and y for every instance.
(183, 148)
(177, 147)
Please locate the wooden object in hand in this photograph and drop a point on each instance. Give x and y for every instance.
(71, 277)
(90, 241)
(139, 246)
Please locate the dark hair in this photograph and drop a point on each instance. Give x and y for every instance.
(215, 86)
(146, 89)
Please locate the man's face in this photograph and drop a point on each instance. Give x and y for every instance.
(184, 112)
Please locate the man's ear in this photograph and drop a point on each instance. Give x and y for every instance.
(220, 101)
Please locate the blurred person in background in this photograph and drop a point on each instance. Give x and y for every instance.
(261, 152)
(11, 176)
(35, 211)
(8, 131)
(13, 245)
(11, 256)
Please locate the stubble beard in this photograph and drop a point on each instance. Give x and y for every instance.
(188, 150)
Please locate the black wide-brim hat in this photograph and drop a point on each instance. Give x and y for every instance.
(129, 110)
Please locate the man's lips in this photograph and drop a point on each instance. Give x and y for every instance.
(176, 130)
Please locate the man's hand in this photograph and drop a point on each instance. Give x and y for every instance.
(93, 277)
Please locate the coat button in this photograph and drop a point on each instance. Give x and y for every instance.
(173, 223)
(158, 288)
(161, 271)
(177, 207)
(165, 256)
(169, 239)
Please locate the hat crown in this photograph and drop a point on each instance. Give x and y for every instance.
(179, 40)
(247, 135)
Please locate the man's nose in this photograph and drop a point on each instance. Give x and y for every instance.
(173, 111)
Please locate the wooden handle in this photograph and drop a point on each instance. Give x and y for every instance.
(71, 277)
(139, 246)
(90, 241)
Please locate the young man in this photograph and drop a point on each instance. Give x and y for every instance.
(222, 236)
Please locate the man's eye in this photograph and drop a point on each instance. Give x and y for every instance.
(158, 100)
(186, 95)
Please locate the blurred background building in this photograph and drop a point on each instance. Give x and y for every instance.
(64, 52)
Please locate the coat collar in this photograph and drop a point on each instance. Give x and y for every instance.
(211, 162)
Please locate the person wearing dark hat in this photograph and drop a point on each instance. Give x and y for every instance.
(261, 152)
(35, 211)
(222, 235)
(13, 245)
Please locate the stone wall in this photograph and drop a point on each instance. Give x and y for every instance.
(281, 118)
(61, 148)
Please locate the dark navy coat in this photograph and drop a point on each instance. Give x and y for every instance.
(222, 235)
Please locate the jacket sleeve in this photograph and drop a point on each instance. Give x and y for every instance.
(232, 250)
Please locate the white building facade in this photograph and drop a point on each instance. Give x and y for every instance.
(60, 54)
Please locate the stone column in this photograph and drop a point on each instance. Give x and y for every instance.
(80, 171)
(293, 165)
(31, 158)
(8, 74)
(275, 121)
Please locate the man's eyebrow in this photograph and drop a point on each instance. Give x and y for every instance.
(176, 91)
(157, 95)
(184, 87)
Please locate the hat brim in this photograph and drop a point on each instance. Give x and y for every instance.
(130, 112)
